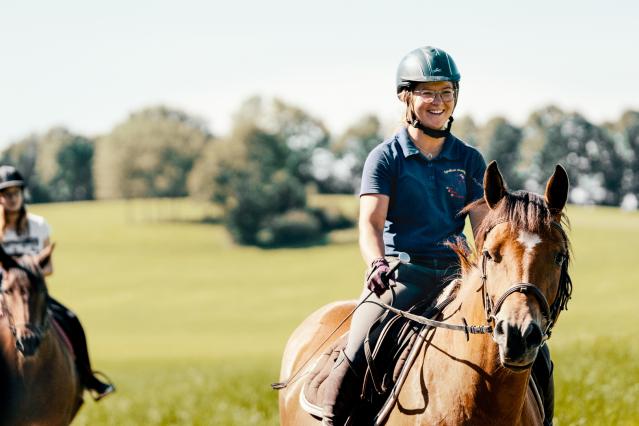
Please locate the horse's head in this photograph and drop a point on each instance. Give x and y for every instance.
(24, 298)
(524, 265)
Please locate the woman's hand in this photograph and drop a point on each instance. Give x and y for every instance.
(378, 279)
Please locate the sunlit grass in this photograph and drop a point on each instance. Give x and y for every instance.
(191, 327)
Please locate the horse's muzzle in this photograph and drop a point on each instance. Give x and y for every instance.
(517, 349)
(28, 344)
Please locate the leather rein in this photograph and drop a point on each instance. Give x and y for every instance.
(550, 312)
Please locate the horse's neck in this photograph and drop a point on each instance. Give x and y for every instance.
(474, 372)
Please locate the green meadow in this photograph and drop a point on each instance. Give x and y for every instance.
(191, 327)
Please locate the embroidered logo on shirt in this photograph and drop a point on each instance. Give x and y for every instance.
(460, 182)
(462, 171)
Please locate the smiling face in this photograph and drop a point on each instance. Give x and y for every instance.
(433, 112)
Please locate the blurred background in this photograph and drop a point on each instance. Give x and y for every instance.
(198, 163)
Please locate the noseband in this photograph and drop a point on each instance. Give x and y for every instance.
(549, 312)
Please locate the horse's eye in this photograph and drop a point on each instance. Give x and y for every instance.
(559, 258)
(495, 256)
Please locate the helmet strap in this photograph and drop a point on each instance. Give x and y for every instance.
(435, 133)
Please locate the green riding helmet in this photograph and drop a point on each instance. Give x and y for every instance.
(426, 64)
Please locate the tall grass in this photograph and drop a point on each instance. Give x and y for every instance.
(191, 327)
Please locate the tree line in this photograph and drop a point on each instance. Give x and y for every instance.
(261, 172)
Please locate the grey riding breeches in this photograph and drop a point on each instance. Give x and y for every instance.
(413, 284)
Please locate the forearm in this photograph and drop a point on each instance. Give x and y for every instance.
(371, 242)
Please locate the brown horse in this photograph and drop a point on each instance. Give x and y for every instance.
(39, 384)
(518, 285)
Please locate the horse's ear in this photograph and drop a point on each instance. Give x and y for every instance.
(557, 190)
(44, 257)
(7, 262)
(494, 187)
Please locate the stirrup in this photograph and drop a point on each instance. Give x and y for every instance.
(108, 389)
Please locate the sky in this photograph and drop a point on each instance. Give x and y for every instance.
(86, 65)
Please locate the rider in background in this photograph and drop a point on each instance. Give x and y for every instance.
(24, 233)
(413, 187)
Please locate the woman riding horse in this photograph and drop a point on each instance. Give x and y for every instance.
(24, 233)
(414, 186)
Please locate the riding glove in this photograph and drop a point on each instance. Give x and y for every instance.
(378, 279)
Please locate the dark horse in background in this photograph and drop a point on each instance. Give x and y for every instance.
(518, 285)
(39, 384)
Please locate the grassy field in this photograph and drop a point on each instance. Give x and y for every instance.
(191, 327)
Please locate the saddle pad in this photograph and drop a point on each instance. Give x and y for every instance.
(313, 393)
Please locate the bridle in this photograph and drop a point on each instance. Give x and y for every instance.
(38, 330)
(549, 312)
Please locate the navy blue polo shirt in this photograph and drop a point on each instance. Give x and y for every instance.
(425, 195)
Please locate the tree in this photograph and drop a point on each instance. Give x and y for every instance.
(590, 155)
(533, 141)
(64, 163)
(74, 179)
(341, 167)
(628, 130)
(258, 174)
(149, 155)
(300, 133)
(501, 141)
(466, 130)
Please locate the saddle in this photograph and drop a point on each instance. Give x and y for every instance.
(388, 348)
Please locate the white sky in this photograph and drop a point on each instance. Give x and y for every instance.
(86, 65)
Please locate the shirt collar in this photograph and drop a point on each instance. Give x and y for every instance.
(407, 144)
(450, 150)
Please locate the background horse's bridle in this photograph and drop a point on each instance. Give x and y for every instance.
(549, 312)
(38, 330)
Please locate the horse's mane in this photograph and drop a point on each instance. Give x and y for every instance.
(520, 210)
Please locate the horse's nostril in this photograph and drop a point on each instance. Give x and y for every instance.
(533, 335)
(499, 328)
(28, 345)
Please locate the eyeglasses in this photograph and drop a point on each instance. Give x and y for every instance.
(11, 192)
(447, 95)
